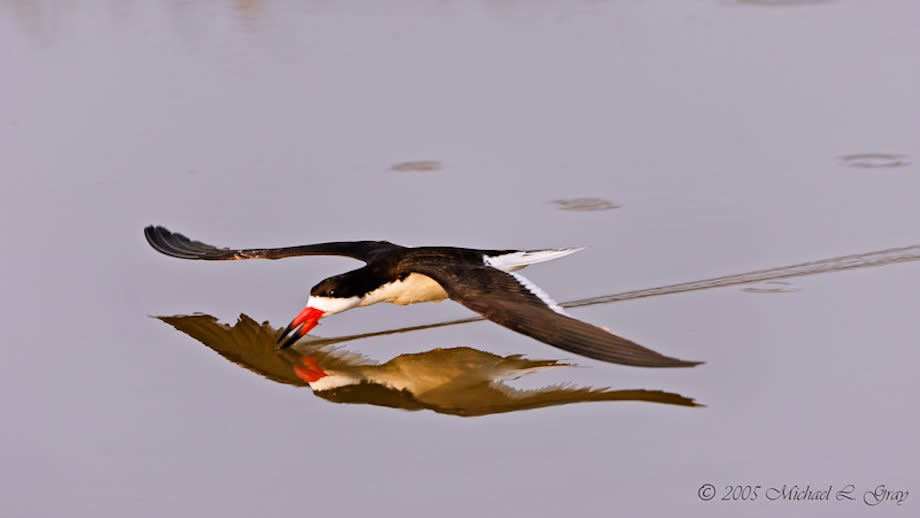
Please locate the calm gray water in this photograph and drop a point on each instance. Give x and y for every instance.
(675, 140)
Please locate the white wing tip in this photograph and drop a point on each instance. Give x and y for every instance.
(542, 295)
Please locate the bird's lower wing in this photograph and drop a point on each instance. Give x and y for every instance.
(515, 303)
(176, 245)
(247, 343)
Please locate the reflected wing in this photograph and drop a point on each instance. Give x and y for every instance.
(513, 302)
(494, 398)
(502, 398)
(248, 344)
(176, 245)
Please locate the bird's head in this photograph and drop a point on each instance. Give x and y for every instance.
(329, 297)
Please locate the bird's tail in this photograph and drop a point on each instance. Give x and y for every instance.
(514, 261)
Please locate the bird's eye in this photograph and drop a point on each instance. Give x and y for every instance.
(332, 292)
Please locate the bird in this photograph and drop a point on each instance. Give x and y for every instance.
(485, 281)
(460, 381)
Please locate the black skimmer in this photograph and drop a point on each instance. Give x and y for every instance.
(482, 280)
(458, 380)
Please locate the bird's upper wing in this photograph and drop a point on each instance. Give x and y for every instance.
(177, 245)
(514, 302)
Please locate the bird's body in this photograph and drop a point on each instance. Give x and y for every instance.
(396, 276)
(418, 373)
(482, 280)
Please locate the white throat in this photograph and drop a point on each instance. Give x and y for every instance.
(332, 305)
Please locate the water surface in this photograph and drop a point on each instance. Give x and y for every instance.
(717, 127)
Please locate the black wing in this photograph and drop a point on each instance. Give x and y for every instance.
(177, 245)
(503, 299)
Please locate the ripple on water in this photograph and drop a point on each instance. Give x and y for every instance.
(419, 166)
(585, 204)
(875, 160)
(782, 3)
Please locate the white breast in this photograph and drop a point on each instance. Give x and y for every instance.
(414, 288)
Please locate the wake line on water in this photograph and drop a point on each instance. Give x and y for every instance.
(834, 264)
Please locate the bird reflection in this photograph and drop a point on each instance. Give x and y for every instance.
(457, 380)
